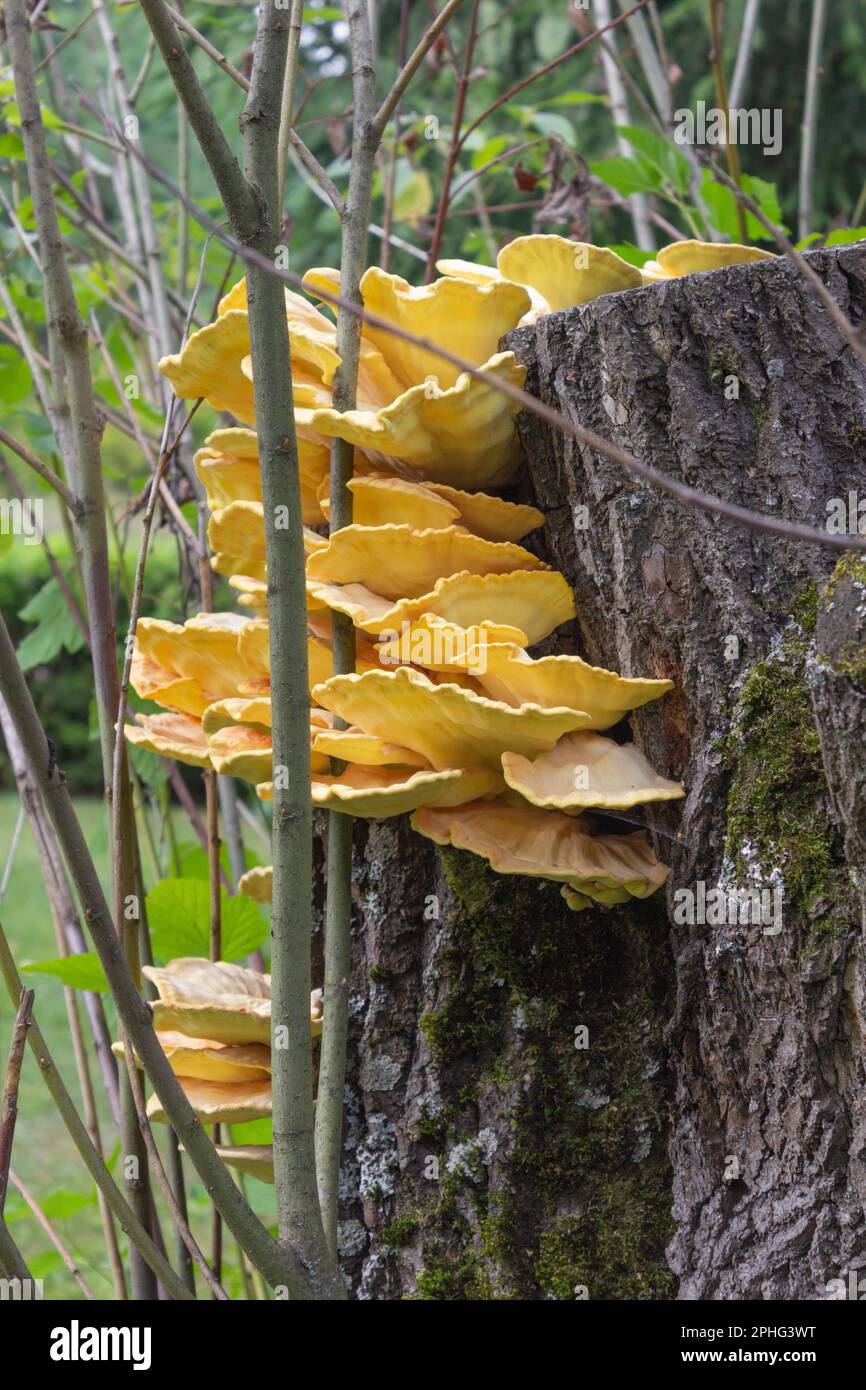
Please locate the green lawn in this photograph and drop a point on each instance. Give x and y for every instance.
(44, 1156)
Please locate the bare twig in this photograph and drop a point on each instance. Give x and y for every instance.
(548, 67)
(54, 1238)
(717, 60)
(80, 446)
(407, 72)
(810, 118)
(9, 1111)
(744, 51)
(64, 492)
(454, 146)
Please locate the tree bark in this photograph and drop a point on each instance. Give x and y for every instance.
(710, 1141)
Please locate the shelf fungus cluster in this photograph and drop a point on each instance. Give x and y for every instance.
(448, 716)
(213, 1020)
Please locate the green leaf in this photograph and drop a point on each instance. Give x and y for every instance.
(490, 150)
(577, 99)
(843, 236)
(662, 154)
(254, 1132)
(626, 175)
(631, 253)
(178, 911)
(551, 123)
(83, 971)
(15, 377)
(148, 766)
(61, 1204)
(56, 628)
(722, 207)
(194, 861)
(551, 35)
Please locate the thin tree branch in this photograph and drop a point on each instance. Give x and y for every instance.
(454, 146)
(810, 118)
(64, 492)
(291, 916)
(54, 1238)
(238, 198)
(413, 63)
(744, 51)
(366, 136)
(288, 97)
(207, 47)
(717, 60)
(68, 345)
(548, 67)
(9, 1110)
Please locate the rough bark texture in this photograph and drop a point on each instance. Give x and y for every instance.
(723, 1079)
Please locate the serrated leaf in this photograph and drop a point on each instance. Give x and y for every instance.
(81, 971)
(56, 628)
(178, 911)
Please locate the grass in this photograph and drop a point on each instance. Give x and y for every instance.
(44, 1156)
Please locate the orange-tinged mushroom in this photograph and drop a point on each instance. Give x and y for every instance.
(219, 1102)
(257, 883)
(236, 534)
(355, 746)
(170, 735)
(211, 999)
(468, 318)
(186, 667)
(546, 844)
(491, 517)
(373, 792)
(534, 601)
(228, 469)
(463, 434)
(440, 646)
(583, 770)
(256, 1160)
(209, 365)
(408, 563)
(512, 676)
(451, 726)
(217, 1001)
(379, 500)
(239, 740)
(209, 1060)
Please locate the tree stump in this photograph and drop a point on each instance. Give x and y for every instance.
(623, 1103)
